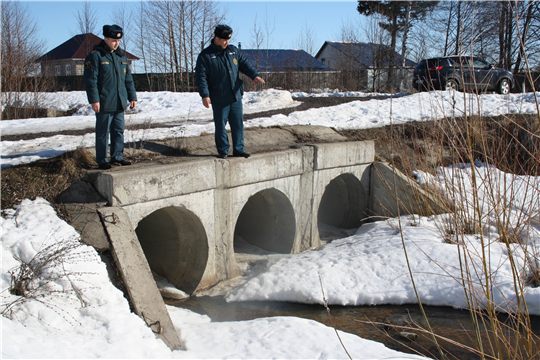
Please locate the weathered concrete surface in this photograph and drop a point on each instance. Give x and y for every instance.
(394, 194)
(81, 202)
(80, 192)
(262, 140)
(310, 133)
(137, 276)
(328, 156)
(135, 185)
(85, 219)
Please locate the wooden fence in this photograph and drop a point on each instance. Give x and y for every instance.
(287, 80)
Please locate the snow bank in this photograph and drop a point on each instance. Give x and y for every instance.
(77, 312)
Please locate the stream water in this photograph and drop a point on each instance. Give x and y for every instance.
(379, 323)
(396, 326)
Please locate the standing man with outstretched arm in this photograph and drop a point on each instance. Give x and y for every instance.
(217, 75)
(110, 90)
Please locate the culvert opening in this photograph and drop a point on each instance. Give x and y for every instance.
(267, 222)
(343, 206)
(176, 246)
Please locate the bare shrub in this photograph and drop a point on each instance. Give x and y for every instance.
(19, 49)
(46, 277)
(45, 178)
(490, 179)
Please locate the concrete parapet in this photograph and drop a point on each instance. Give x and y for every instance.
(129, 186)
(342, 154)
(263, 167)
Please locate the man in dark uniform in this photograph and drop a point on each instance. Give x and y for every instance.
(217, 75)
(110, 90)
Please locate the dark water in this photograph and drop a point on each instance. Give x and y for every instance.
(363, 321)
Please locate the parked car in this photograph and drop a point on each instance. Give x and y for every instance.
(461, 73)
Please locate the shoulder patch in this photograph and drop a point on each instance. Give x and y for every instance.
(87, 64)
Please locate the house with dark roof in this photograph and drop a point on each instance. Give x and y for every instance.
(367, 60)
(67, 59)
(274, 60)
(287, 69)
(358, 56)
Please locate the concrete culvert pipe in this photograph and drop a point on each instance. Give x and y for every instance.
(268, 222)
(343, 203)
(176, 246)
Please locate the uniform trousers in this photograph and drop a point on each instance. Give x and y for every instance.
(113, 123)
(233, 112)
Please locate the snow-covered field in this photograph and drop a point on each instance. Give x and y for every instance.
(82, 315)
(185, 116)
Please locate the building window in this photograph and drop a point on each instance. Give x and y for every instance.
(68, 70)
(57, 70)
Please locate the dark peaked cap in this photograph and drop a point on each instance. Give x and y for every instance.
(112, 31)
(223, 31)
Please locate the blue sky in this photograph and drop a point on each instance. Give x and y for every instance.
(57, 23)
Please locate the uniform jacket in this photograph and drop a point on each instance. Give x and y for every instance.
(108, 79)
(217, 74)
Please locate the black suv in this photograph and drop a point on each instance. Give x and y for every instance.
(461, 73)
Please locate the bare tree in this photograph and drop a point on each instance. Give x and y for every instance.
(178, 29)
(347, 58)
(306, 42)
(257, 41)
(261, 38)
(210, 17)
(122, 16)
(378, 56)
(257, 35)
(406, 29)
(269, 28)
(86, 19)
(141, 39)
(20, 48)
(306, 39)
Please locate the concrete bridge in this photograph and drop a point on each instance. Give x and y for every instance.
(187, 215)
(192, 219)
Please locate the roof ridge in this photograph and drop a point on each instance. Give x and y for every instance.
(82, 42)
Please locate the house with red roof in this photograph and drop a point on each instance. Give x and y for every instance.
(67, 59)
